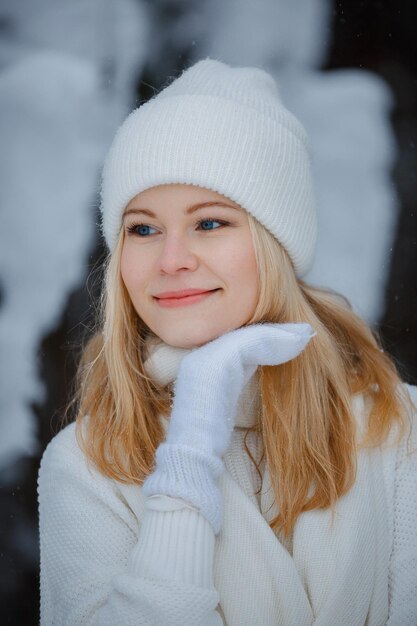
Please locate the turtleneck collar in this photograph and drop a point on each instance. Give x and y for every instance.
(162, 364)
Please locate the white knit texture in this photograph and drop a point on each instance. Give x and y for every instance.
(89, 549)
(224, 129)
(403, 570)
(207, 389)
(89, 532)
(176, 545)
(97, 541)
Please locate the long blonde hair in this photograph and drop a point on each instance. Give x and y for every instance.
(306, 420)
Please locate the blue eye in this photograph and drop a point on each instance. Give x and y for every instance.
(209, 221)
(140, 229)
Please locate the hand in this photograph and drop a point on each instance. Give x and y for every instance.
(206, 393)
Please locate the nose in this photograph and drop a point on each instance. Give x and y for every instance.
(176, 255)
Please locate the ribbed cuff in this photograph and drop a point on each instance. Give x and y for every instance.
(176, 545)
(162, 502)
(191, 474)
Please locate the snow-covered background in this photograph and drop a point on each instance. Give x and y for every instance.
(69, 73)
(60, 103)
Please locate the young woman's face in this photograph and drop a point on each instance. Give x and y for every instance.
(173, 243)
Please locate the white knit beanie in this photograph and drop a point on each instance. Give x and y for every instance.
(223, 128)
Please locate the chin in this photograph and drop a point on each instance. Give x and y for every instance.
(189, 341)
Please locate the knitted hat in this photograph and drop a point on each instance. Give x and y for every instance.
(223, 128)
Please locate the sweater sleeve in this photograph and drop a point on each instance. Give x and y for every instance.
(403, 562)
(100, 566)
(176, 542)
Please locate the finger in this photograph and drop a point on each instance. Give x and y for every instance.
(273, 346)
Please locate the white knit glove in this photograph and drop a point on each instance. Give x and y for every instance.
(206, 392)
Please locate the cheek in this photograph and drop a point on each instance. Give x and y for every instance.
(241, 269)
(125, 268)
(132, 269)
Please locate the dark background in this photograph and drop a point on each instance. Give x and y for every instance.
(379, 36)
(382, 37)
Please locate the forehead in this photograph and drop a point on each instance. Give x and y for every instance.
(180, 194)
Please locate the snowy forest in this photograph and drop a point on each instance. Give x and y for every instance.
(70, 71)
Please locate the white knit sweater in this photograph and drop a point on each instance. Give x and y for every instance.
(109, 556)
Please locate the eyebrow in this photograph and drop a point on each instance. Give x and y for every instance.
(188, 210)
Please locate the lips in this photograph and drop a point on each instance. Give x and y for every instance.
(182, 293)
(184, 298)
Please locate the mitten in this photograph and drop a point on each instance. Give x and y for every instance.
(206, 392)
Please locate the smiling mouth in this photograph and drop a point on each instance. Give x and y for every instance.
(185, 300)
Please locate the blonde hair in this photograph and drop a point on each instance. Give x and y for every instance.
(306, 420)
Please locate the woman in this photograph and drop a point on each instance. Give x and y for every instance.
(241, 452)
